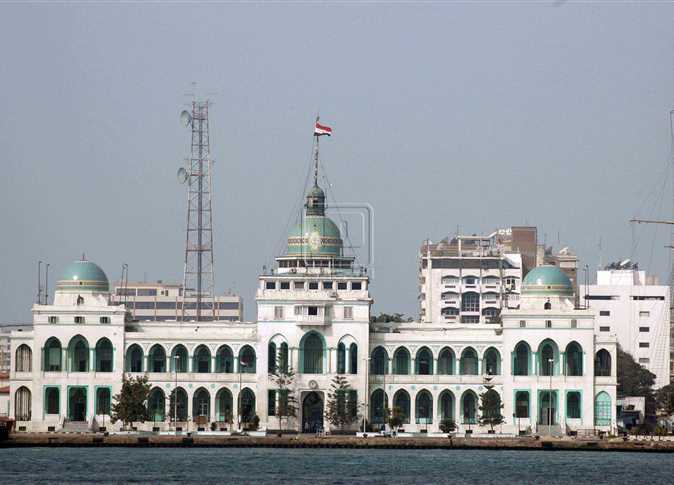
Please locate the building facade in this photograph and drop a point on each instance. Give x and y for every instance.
(541, 355)
(632, 307)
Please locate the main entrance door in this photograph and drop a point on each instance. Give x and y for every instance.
(78, 404)
(312, 413)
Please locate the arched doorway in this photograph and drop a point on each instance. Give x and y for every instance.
(77, 404)
(312, 413)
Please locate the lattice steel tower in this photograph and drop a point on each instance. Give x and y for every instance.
(198, 279)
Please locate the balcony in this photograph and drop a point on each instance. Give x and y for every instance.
(312, 320)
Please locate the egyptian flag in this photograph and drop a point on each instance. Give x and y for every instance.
(320, 130)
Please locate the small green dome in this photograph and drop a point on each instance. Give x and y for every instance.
(83, 275)
(315, 235)
(547, 280)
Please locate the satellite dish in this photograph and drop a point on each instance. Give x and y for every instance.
(185, 118)
(182, 175)
(625, 263)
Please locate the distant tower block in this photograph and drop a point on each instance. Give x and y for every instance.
(198, 280)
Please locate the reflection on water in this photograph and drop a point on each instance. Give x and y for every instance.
(250, 465)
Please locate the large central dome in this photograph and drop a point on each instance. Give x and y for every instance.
(81, 276)
(547, 280)
(316, 234)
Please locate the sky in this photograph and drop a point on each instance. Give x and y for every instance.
(445, 115)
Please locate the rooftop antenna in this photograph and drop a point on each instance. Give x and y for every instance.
(39, 282)
(198, 276)
(46, 284)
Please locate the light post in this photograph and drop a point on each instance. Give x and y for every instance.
(176, 358)
(551, 364)
(367, 390)
(242, 364)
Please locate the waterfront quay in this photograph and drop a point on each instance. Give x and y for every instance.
(646, 444)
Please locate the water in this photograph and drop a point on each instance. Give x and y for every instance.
(266, 465)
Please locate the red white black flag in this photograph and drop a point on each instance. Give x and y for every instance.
(320, 130)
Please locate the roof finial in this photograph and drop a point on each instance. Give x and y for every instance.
(84, 257)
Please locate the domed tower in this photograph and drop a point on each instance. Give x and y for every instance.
(83, 283)
(547, 287)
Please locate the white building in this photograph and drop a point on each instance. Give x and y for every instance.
(637, 311)
(553, 372)
(159, 301)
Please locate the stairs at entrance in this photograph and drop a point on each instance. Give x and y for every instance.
(553, 430)
(76, 427)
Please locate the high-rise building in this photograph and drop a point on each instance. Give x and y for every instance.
(161, 302)
(637, 310)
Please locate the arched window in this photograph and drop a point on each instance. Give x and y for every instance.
(52, 400)
(284, 357)
(201, 406)
(341, 359)
(223, 405)
(574, 360)
(424, 407)
(104, 355)
(522, 404)
(379, 365)
(446, 405)
(469, 407)
(378, 407)
(492, 405)
(134, 358)
(247, 411)
(224, 360)
(602, 409)
(179, 359)
(468, 364)
(157, 359)
(103, 401)
(24, 357)
(424, 362)
(178, 412)
(156, 404)
(401, 361)
(491, 362)
(573, 405)
(602, 363)
(446, 362)
(401, 400)
(201, 361)
(548, 356)
(247, 360)
(271, 357)
(311, 349)
(521, 359)
(52, 355)
(470, 302)
(78, 354)
(22, 404)
(353, 358)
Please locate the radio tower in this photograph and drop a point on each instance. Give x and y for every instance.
(198, 279)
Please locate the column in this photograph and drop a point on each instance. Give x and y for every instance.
(413, 362)
(168, 363)
(92, 359)
(347, 361)
(189, 405)
(294, 358)
(212, 415)
(236, 364)
(213, 363)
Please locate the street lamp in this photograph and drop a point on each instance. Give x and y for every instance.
(551, 369)
(242, 363)
(367, 390)
(176, 358)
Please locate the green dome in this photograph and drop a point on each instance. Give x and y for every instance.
(315, 235)
(547, 280)
(83, 275)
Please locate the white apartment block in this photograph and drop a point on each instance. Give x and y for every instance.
(636, 310)
(161, 302)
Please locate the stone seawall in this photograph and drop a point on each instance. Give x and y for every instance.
(150, 440)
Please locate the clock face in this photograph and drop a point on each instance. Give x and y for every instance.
(315, 241)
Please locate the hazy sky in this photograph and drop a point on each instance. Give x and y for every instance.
(444, 115)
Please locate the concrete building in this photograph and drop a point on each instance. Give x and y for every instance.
(160, 302)
(635, 309)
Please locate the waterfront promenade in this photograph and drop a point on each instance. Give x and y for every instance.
(646, 444)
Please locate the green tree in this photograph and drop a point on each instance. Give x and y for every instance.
(490, 408)
(283, 377)
(447, 425)
(130, 405)
(340, 410)
(396, 418)
(665, 399)
(390, 317)
(635, 380)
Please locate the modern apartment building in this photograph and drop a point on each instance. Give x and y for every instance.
(636, 309)
(161, 301)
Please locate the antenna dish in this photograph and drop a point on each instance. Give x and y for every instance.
(182, 175)
(185, 118)
(625, 263)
